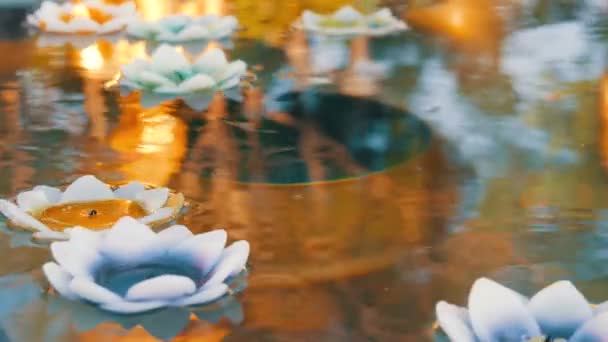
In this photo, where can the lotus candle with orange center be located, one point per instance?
(83, 17)
(89, 203)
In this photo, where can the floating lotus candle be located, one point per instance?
(90, 203)
(95, 17)
(130, 268)
(347, 21)
(169, 74)
(180, 28)
(497, 313)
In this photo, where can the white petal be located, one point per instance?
(310, 19)
(347, 14)
(192, 32)
(85, 189)
(129, 191)
(231, 76)
(232, 263)
(125, 307)
(142, 29)
(601, 308)
(56, 25)
(83, 25)
(113, 25)
(203, 296)
(167, 60)
(497, 313)
(21, 218)
(50, 236)
(174, 235)
(129, 241)
(32, 201)
(127, 9)
(168, 90)
(158, 215)
(76, 259)
(168, 286)
(153, 199)
(88, 290)
(53, 195)
(204, 250)
(85, 237)
(211, 61)
(455, 322)
(595, 330)
(59, 279)
(151, 80)
(198, 83)
(131, 71)
(384, 14)
(560, 309)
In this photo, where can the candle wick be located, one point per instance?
(92, 213)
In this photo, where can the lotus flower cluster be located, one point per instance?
(130, 268)
(497, 313)
(159, 205)
(89, 17)
(180, 28)
(169, 74)
(347, 21)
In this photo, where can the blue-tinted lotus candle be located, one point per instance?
(183, 28)
(497, 313)
(169, 74)
(88, 202)
(131, 269)
(347, 21)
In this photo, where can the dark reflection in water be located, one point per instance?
(373, 177)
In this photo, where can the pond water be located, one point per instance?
(372, 177)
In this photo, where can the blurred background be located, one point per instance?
(372, 177)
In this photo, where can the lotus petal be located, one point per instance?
(143, 29)
(158, 215)
(132, 70)
(594, 330)
(127, 9)
(113, 25)
(129, 241)
(168, 286)
(204, 250)
(173, 235)
(231, 76)
(310, 19)
(560, 309)
(203, 296)
(85, 237)
(232, 262)
(455, 322)
(125, 307)
(153, 199)
(347, 14)
(211, 61)
(151, 80)
(383, 14)
(32, 201)
(198, 83)
(129, 191)
(21, 218)
(49, 235)
(175, 23)
(76, 259)
(199, 101)
(83, 25)
(55, 25)
(192, 32)
(166, 60)
(59, 279)
(600, 308)
(53, 195)
(85, 189)
(89, 290)
(498, 313)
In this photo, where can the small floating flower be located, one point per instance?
(497, 313)
(91, 203)
(169, 75)
(347, 21)
(93, 17)
(130, 268)
(181, 28)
